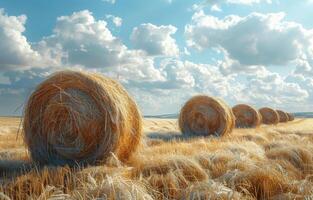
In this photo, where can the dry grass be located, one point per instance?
(269, 162)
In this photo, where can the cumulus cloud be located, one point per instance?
(182, 80)
(216, 8)
(303, 76)
(117, 21)
(250, 46)
(257, 39)
(79, 40)
(155, 40)
(16, 52)
(272, 89)
(156, 76)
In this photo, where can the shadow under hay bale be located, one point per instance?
(79, 118)
(205, 116)
(283, 117)
(246, 116)
(269, 116)
(12, 168)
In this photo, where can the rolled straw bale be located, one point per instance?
(76, 117)
(203, 116)
(283, 117)
(269, 115)
(246, 116)
(291, 117)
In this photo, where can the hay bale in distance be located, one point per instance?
(269, 115)
(283, 117)
(291, 117)
(246, 116)
(204, 116)
(75, 117)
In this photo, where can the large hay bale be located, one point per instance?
(283, 117)
(75, 117)
(204, 116)
(246, 116)
(269, 115)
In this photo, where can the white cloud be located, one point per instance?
(216, 8)
(16, 52)
(246, 2)
(215, 4)
(251, 46)
(183, 79)
(230, 66)
(79, 40)
(155, 40)
(117, 21)
(159, 79)
(257, 39)
(186, 51)
(270, 88)
(110, 1)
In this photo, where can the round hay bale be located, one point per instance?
(269, 115)
(291, 117)
(246, 116)
(283, 117)
(205, 116)
(80, 118)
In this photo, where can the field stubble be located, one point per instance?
(269, 162)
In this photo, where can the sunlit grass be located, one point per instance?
(270, 162)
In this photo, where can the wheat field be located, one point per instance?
(269, 162)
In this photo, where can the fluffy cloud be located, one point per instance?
(272, 89)
(182, 80)
(154, 74)
(117, 21)
(215, 4)
(303, 76)
(254, 40)
(229, 66)
(155, 40)
(15, 50)
(79, 40)
(251, 46)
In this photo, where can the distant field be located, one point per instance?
(270, 162)
(174, 116)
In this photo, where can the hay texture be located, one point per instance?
(205, 116)
(283, 117)
(291, 117)
(246, 116)
(269, 115)
(75, 117)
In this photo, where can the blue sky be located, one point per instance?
(247, 51)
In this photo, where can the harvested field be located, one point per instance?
(269, 162)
